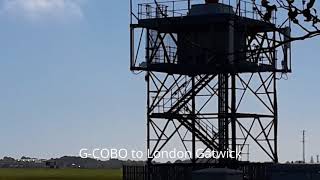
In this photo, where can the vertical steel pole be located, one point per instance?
(226, 111)
(149, 161)
(223, 100)
(275, 118)
(275, 103)
(233, 112)
(220, 112)
(193, 121)
(304, 146)
(148, 117)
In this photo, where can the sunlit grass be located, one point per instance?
(60, 174)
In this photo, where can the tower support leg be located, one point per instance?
(223, 109)
(233, 113)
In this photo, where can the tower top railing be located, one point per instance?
(178, 8)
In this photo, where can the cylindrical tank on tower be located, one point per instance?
(214, 43)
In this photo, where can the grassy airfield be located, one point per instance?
(60, 174)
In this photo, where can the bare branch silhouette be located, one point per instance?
(297, 13)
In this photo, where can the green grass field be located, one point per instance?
(59, 174)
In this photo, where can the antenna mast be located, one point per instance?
(304, 146)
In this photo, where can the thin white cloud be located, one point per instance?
(38, 9)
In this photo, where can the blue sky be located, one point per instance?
(65, 82)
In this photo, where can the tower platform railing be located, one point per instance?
(178, 8)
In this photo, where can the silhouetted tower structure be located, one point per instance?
(211, 72)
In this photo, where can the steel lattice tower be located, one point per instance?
(211, 74)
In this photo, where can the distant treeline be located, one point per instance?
(65, 162)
